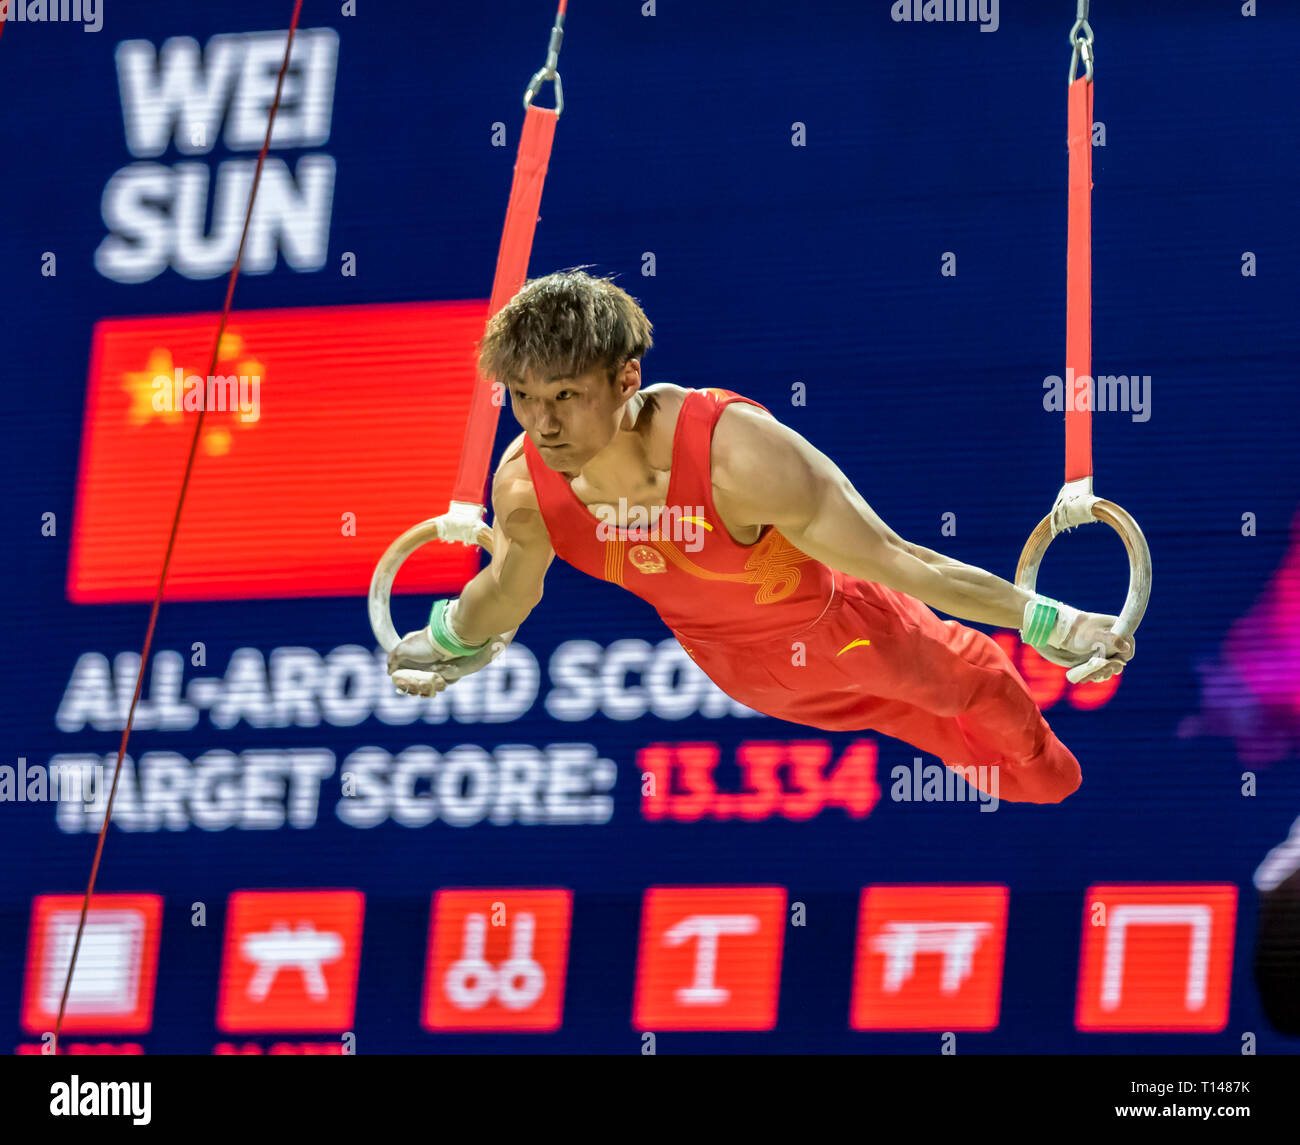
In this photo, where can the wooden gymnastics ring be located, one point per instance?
(1074, 501)
(462, 524)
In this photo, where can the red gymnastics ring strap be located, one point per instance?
(1078, 282)
(531, 163)
(512, 270)
(1075, 503)
(463, 521)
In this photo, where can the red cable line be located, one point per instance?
(171, 540)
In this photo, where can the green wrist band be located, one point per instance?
(1041, 619)
(443, 635)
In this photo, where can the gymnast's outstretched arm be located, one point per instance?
(510, 587)
(496, 601)
(766, 473)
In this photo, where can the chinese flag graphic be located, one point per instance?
(328, 432)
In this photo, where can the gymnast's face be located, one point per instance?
(571, 419)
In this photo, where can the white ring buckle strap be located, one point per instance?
(462, 523)
(1076, 505)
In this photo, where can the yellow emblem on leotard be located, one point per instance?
(775, 567)
(772, 565)
(646, 559)
(851, 644)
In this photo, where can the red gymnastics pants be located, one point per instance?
(936, 684)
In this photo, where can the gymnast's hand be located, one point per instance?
(1082, 635)
(418, 666)
(1074, 637)
(417, 650)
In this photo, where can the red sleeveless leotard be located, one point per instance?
(795, 639)
(705, 586)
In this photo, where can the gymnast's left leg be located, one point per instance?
(951, 691)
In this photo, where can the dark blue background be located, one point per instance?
(775, 264)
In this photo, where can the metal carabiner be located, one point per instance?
(548, 71)
(1081, 42)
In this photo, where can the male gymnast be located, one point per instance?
(789, 592)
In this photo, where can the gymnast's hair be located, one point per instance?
(565, 324)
